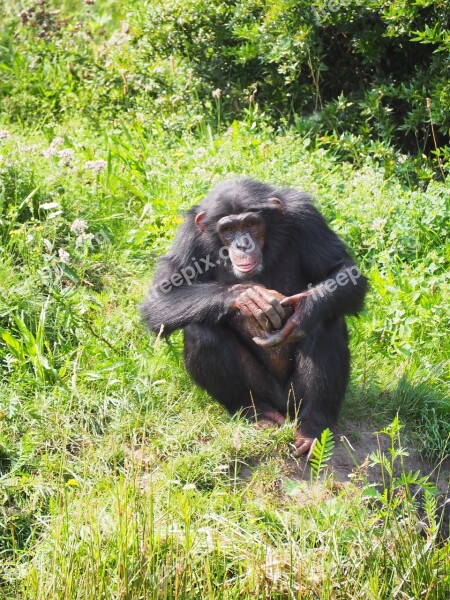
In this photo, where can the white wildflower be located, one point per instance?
(199, 171)
(216, 93)
(189, 486)
(55, 214)
(199, 152)
(64, 256)
(53, 148)
(49, 152)
(66, 156)
(95, 165)
(379, 223)
(220, 469)
(48, 205)
(84, 239)
(79, 226)
(30, 149)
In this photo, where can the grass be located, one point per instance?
(120, 479)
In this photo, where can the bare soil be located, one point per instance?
(355, 442)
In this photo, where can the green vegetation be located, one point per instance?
(120, 479)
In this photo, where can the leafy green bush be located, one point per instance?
(367, 68)
(48, 60)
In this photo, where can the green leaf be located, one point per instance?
(322, 452)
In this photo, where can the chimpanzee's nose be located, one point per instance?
(242, 243)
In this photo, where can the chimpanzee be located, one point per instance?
(260, 285)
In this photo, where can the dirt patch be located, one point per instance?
(354, 443)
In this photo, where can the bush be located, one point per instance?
(367, 68)
(360, 66)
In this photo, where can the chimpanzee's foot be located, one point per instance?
(264, 424)
(270, 418)
(303, 444)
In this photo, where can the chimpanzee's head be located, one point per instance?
(239, 213)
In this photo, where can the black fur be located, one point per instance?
(300, 251)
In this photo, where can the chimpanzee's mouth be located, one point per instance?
(246, 267)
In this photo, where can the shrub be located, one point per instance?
(369, 68)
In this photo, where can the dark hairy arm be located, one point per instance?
(336, 286)
(176, 299)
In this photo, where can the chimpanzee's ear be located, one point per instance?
(277, 203)
(198, 221)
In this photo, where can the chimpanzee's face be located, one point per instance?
(243, 235)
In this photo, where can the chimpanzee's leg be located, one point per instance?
(221, 363)
(318, 384)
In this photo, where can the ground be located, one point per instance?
(352, 461)
(356, 441)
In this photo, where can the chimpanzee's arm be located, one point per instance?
(342, 293)
(336, 286)
(177, 299)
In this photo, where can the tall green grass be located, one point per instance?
(119, 478)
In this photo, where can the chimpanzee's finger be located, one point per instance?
(303, 448)
(273, 317)
(294, 300)
(244, 310)
(303, 444)
(289, 301)
(273, 340)
(274, 301)
(264, 424)
(274, 416)
(277, 306)
(259, 315)
(279, 337)
(259, 299)
(311, 450)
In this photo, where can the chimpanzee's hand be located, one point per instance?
(263, 304)
(293, 330)
(303, 444)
